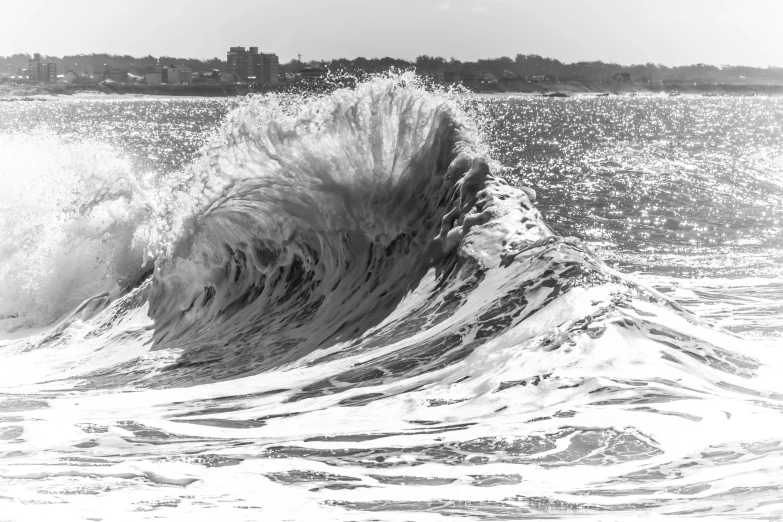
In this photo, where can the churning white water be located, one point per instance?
(347, 307)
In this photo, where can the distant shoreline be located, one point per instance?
(131, 90)
(512, 88)
(576, 87)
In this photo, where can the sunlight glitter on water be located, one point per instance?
(525, 380)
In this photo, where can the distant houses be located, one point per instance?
(116, 75)
(75, 78)
(244, 65)
(176, 75)
(258, 71)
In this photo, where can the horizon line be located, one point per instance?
(412, 61)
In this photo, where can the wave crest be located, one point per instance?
(317, 222)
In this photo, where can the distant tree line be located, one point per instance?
(521, 66)
(532, 65)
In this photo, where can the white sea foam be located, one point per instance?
(72, 214)
(355, 318)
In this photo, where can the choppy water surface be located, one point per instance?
(335, 309)
(688, 189)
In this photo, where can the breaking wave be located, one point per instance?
(361, 247)
(313, 227)
(73, 217)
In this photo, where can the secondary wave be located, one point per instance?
(74, 217)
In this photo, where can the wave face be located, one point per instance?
(353, 314)
(314, 227)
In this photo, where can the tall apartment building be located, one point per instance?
(239, 61)
(249, 63)
(268, 73)
(40, 72)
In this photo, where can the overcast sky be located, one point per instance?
(672, 32)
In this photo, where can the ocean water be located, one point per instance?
(391, 303)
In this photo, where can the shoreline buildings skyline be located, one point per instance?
(242, 65)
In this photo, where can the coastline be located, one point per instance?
(595, 88)
(106, 91)
(496, 89)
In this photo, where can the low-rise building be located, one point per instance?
(116, 75)
(176, 75)
(75, 78)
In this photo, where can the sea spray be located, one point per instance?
(73, 215)
(352, 316)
